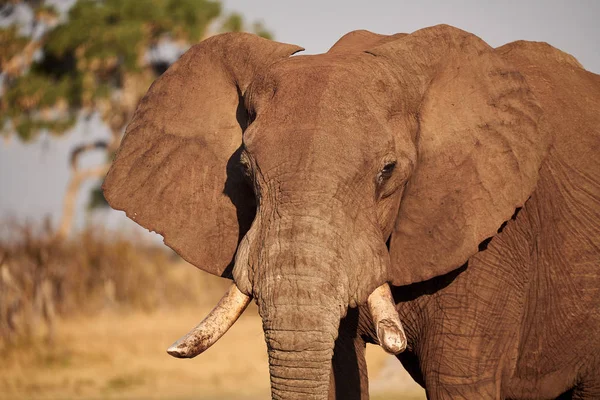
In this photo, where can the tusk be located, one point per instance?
(220, 319)
(386, 320)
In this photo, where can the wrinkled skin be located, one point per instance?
(465, 176)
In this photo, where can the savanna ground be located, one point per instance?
(110, 343)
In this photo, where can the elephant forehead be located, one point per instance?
(321, 87)
(327, 103)
(320, 114)
(322, 141)
(285, 149)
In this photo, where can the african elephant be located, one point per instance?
(464, 177)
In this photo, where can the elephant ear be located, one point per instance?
(361, 40)
(175, 171)
(478, 144)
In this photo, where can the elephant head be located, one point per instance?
(314, 181)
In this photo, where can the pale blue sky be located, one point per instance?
(33, 177)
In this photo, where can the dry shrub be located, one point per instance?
(42, 276)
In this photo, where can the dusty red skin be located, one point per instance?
(398, 159)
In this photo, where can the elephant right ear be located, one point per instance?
(479, 146)
(361, 40)
(175, 172)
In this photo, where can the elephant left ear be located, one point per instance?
(479, 151)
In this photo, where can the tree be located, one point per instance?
(100, 57)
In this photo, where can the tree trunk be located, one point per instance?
(79, 176)
(69, 202)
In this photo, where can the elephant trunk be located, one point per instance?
(302, 293)
(300, 356)
(301, 328)
(300, 332)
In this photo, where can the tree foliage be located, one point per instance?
(100, 57)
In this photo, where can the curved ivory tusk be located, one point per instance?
(386, 320)
(220, 319)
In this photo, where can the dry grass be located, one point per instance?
(90, 318)
(42, 277)
(117, 356)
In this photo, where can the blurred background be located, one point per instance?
(88, 300)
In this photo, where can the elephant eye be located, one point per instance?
(389, 167)
(386, 171)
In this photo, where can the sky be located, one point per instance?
(33, 177)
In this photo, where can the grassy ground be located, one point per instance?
(104, 302)
(122, 356)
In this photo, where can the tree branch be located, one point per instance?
(79, 150)
(77, 180)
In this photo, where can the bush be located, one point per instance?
(43, 277)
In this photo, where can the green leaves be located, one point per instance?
(234, 22)
(11, 44)
(38, 102)
(97, 59)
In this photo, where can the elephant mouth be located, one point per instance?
(386, 321)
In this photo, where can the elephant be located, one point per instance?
(424, 192)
